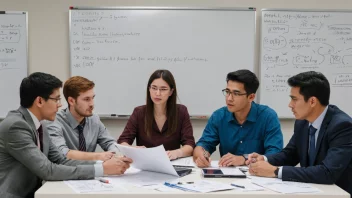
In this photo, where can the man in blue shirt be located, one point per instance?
(242, 127)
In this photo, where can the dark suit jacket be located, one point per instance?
(333, 160)
(23, 166)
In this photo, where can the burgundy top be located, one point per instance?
(135, 129)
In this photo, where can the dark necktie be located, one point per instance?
(40, 132)
(311, 153)
(81, 140)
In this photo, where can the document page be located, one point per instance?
(149, 159)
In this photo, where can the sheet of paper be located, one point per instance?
(278, 185)
(186, 161)
(141, 178)
(214, 164)
(248, 186)
(88, 186)
(161, 188)
(203, 186)
(149, 159)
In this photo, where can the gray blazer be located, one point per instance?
(23, 166)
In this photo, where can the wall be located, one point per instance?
(49, 46)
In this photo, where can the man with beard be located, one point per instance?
(76, 131)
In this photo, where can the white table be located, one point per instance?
(60, 189)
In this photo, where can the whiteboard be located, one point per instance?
(120, 48)
(297, 41)
(13, 58)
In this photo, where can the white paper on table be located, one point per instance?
(214, 164)
(186, 161)
(149, 159)
(161, 188)
(141, 178)
(248, 186)
(286, 187)
(88, 186)
(204, 186)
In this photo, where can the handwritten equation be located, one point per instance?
(9, 36)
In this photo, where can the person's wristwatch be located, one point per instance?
(245, 157)
(276, 171)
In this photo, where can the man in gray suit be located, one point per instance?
(27, 156)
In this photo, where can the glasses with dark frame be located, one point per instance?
(227, 92)
(161, 89)
(57, 100)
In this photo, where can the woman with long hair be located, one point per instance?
(161, 121)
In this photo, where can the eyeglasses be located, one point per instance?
(227, 92)
(162, 90)
(57, 100)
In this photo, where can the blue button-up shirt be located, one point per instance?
(260, 133)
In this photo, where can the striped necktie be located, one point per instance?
(81, 140)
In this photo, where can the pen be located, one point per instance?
(205, 154)
(238, 186)
(104, 181)
(185, 182)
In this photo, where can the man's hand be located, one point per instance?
(254, 157)
(174, 154)
(201, 157)
(116, 165)
(231, 160)
(262, 169)
(104, 156)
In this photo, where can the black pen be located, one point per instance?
(238, 186)
(185, 182)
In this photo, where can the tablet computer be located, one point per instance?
(223, 172)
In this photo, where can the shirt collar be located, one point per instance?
(35, 119)
(71, 120)
(252, 115)
(317, 122)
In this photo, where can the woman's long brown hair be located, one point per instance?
(171, 106)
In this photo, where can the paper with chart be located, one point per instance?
(149, 159)
(286, 187)
(88, 186)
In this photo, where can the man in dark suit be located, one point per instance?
(322, 139)
(27, 156)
